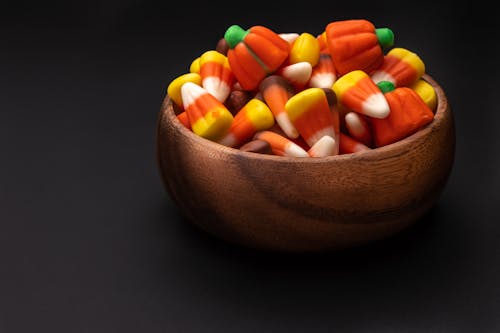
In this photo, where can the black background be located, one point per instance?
(90, 241)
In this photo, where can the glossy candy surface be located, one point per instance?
(408, 114)
(254, 53)
(216, 75)
(401, 67)
(208, 117)
(358, 92)
(253, 117)
(357, 45)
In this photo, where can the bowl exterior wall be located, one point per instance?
(287, 204)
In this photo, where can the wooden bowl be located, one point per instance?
(305, 204)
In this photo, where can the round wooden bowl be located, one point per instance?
(305, 204)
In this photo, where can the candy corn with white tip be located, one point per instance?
(348, 145)
(208, 117)
(323, 74)
(253, 117)
(358, 92)
(276, 91)
(310, 113)
(401, 67)
(174, 88)
(358, 127)
(326, 146)
(216, 75)
(281, 145)
(297, 74)
(290, 37)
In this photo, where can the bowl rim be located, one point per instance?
(442, 108)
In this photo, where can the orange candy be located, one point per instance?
(356, 44)
(408, 114)
(254, 53)
(348, 145)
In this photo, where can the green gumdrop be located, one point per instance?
(385, 37)
(235, 34)
(386, 86)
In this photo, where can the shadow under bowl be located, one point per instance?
(305, 204)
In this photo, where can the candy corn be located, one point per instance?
(184, 119)
(257, 146)
(305, 48)
(358, 127)
(426, 92)
(310, 113)
(289, 37)
(216, 76)
(298, 140)
(254, 53)
(323, 74)
(276, 91)
(401, 67)
(297, 74)
(208, 117)
(359, 93)
(302, 95)
(195, 66)
(253, 117)
(357, 45)
(174, 88)
(348, 145)
(408, 114)
(280, 145)
(321, 38)
(326, 146)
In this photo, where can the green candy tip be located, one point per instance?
(234, 35)
(385, 37)
(386, 86)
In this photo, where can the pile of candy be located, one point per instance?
(345, 90)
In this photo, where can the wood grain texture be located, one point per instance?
(312, 204)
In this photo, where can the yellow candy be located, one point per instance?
(346, 82)
(174, 88)
(214, 124)
(305, 48)
(426, 92)
(253, 117)
(209, 118)
(410, 58)
(195, 66)
(259, 114)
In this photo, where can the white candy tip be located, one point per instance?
(376, 106)
(190, 92)
(322, 80)
(286, 125)
(229, 140)
(289, 37)
(298, 73)
(295, 150)
(217, 88)
(326, 146)
(379, 76)
(354, 123)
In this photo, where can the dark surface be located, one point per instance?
(90, 241)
